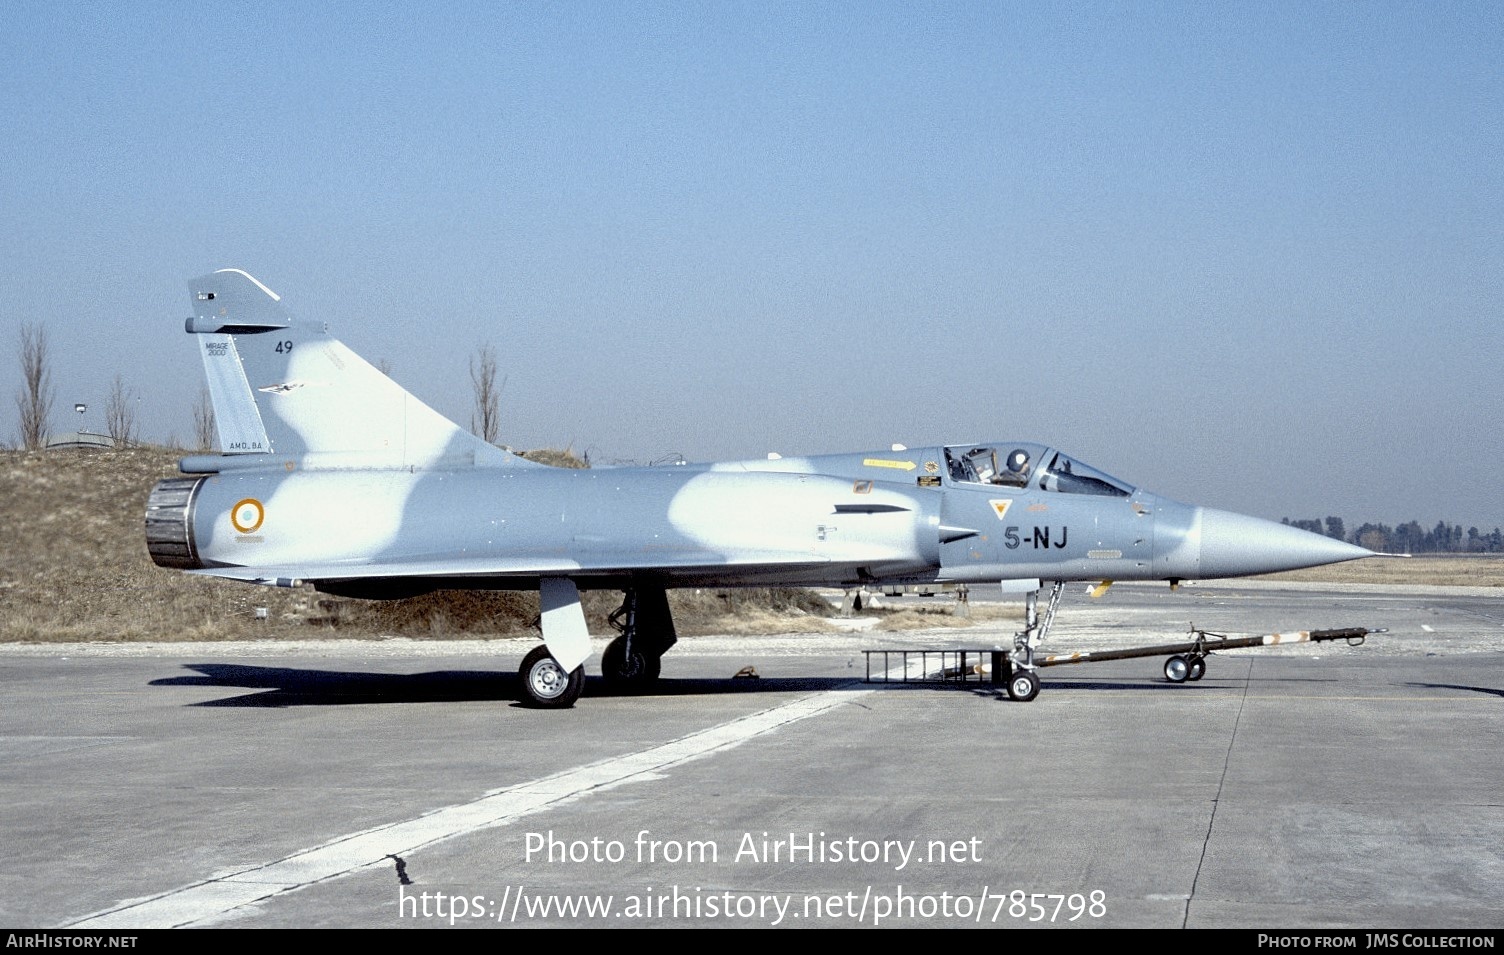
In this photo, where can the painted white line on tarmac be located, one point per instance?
(217, 896)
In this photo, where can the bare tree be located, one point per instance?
(485, 420)
(204, 430)
(120, 414)
(34, 400)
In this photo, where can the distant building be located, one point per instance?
(79, 439)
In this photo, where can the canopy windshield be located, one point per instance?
(1020, 465)
(1069, 476)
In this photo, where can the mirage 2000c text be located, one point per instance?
(333, 475)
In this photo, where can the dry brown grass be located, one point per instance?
(747, 612)
(945, 614)
(556, 458)
(471, 613)
(1438, 569)
(73, 561)
(922, 619)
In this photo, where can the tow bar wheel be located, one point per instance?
(1177, 669)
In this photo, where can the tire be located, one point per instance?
(1197, 670)
(628, 670)
(545, 685)
(1177, 669)
(1023, 686)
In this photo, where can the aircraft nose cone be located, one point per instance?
(1236, 545)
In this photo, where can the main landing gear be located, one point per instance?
(628, 666)
(632, 661)
(546, 684)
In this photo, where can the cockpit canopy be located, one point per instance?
(1020, 466)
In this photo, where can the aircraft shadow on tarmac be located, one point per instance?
(290, 686)
(1491, 691)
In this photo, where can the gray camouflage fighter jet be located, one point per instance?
(334, 475)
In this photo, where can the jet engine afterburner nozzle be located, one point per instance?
(169, 523)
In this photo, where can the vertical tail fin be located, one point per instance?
(235, 413)
(284, 387)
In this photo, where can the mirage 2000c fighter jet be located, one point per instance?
(334, 475)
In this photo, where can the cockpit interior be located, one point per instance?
(1019, 466)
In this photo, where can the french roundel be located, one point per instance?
(247, 515)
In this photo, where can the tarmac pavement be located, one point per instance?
(399, 784)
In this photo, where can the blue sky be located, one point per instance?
(1247, 256)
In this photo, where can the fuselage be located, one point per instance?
(942, 514)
